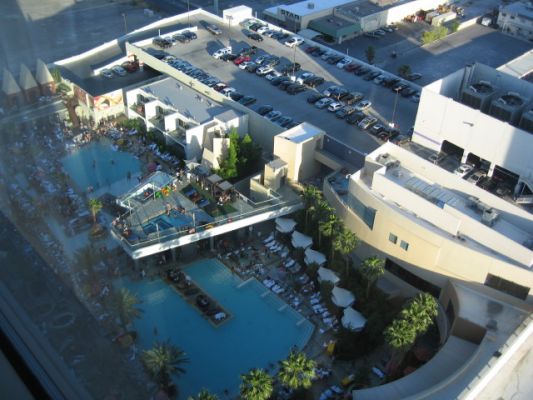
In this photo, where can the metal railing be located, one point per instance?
(175, 233)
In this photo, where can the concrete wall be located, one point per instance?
(441, 118)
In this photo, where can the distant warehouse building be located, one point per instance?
(343, 20)
(517, 19)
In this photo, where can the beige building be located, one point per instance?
(431, 225)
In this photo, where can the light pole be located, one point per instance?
(188, 17)
(294, 62)
(392, 124)
(230, 17)
(125, 23)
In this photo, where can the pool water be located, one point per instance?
(163, 222)
(98, 165)
(261, 331)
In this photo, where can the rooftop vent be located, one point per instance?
(482, 87)
(311, 5)
(489, 216)
(511, 99)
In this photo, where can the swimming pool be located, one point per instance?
(98, 165)
(262, 329)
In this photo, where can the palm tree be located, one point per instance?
(297, 371)
(127, 306)
(345, 242)
(203, 395)
(95, 206)
(372, 268)
(328, 228)
(400, 335)
(256, 385)
(322, 212)
(311, 195)
(420, 312)
(163, 361)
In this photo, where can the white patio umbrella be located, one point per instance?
(301, 241)
(353, 319)
(312, 256)
(327, 275)
(342, 297)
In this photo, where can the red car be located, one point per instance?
(241, 59)
(310, 49)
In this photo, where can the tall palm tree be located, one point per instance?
(420, 312)
(345, 242)
(297, 371)
(311, 195)
(371, 269)
(163, 361)
(400, 335)
(127, 307)
(256, 385)
(204, 395)
(95, 206)
(328, 228)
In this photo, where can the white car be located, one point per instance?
(477, 177)
(106, 73)
(264, 70)
(363, 105)
(118, 70)
(329, 90)
(272, 75)
(463, 170)
(335, 106)
(323, 103)
(220, 52)
(303, 77)
(344, 62)
(243, 65)
(294, 41)
(227, 91)
(367, 122)
(327, 55)
(263, 29)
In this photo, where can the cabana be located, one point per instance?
(301, 241)
(312, 256)
(342, 297)
(285, 225)
(327, 275)
(353, 320)
(223, 192)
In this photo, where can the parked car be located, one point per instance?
(262, 30)
(163, 43)
(220, 86)
(248, 51)
(271, 60)
(314, 81)
(117, 69)
(318, 52)
(247, 100)
(236, 96)
(272, 75)
(264, 70)
(221, 52)
(191, 35)
(215, 30)
(408, 91)
(244, 64)
(353, 97)
(344, 112)
(367, 122)
(313, 98)
(351, 67)
(355, 117)
(227, 91)
(371, 75)
(296, 88)
(291, 68)
(252, 67)
(323, 103)
(241, 59)
(363, 105)
(273, 115)
(414, 76)
(344, 62)
(106, 73)
(330, 90)
(362, 71)
(285, 84)
(401, 139)
(463, 170)
(377, 129)
(261, 59)
(311, 49)
(436, 158)
(294, 41)
(334, 59)
(279, 80)
(229, 57)
(284, 121)
(179, 37)
(255, 36)
(264, 110)
(302, 77)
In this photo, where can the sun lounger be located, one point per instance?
(289, 263)
(337, 389)
(315, 301)
(269, 238)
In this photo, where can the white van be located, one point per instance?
(220, 52)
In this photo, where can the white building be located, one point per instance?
(483, 116)
(517, 19)
(186, 119)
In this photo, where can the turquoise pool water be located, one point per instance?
(109, 166)
(262, 330)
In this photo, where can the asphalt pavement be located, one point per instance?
(383, 100)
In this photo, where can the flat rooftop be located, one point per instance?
(301, 133)
(449, 205)
(186, 101)
(362, 8)
(522, 9)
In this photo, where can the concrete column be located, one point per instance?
(136, 263)
(212, 243)
(491, 169)
(465, 156)
(173, 252)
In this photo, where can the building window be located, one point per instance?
(411, 279)
(404, 245)
(393, 238)
(505, 286)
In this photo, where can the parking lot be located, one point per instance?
(199, 53)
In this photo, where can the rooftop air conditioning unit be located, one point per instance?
(311, 5)
(489, 216)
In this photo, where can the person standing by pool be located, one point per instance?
(128, 175)
(112, 162)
